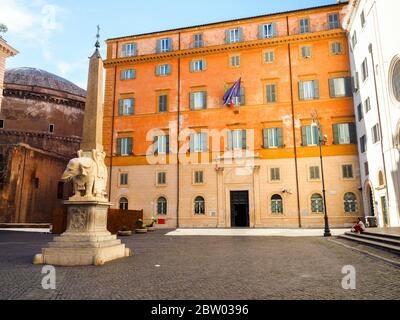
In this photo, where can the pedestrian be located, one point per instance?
(359, 227)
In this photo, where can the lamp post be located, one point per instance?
(321, 140)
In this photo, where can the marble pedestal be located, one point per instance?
(86, 241)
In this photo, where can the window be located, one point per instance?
(234, 35)
(317, 203)
(123, 179)
(276, 204)
(269, 56)
(309, 90)
(60, 190)
(240, 101)
(199, 142)
(267, 31)
(198, 40)
(128, 50)
(163, 70)
(367, 105)
(314, 173)
(199, 206)
(366, 168)
(235, 61)
(271, 93)
(350, 203)
(162, 206)
(273, 138)
(123, 204)
(347, 171)
(2, 122)
(128, 74)
(51, 128)
(198, 100)
(381, 180)
(124, 146)
(376, 135)
(304, 25)
(362, 17)
(306, 52)
(336, 48)
(356, 82)
(161, 178)
(396, 80)
(198, 177)
(364, 69)
(163, 103)
(197, 65)
(126, 107)
(363, 144)
(354, 40)
(275, 174)
(161, 144)
(333, 21)
(237, 139)
(164, 45)
(310, 136)
(340, 87)
(344, 133)
(360, 112)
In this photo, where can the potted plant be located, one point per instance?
(125, 231)
(141, 226)
(152, 226)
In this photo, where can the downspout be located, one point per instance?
(177, 136)
(296, 165)
(21, 189)
(112, 128)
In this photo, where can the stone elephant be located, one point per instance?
(83, 172)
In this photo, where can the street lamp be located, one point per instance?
(321, 140)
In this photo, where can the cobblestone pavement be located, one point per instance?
(211, 268)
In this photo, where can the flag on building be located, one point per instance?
(232, 93)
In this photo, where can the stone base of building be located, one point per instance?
(86, 241)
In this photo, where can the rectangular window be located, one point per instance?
(376, 135)
(163, 70)
(306, 52)
(356, 82)
(336, 48)
(128, 50)
(366, 168)
(363, 144)
(163, 103)
(165, 45)
(340, 87)
(273, 138)
(304, 25)
(124, 146)
(199, 142)
(367, 105)
(362, 17)
(347, 171)
(237, 139)
(310, 136)
(235, 61)
(360, 112)
(271, 93)
(268, 31)
(333, 21)
(2, 122)
(269, 56)
(128, 74)
(364, 68)
(344, 133)
(314, 173)
(309, 90)
(354, 40)
(161, 144)
(51, 128)
(126, 107)
(197, 65)
(275, 174)
(198, 177)
(161, 178)
(198, 40)
(198, 100)
(234, 35)
(123, 179)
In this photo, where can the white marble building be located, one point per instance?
(373, 31)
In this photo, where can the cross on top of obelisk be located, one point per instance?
(97, 45)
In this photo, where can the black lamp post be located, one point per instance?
(321, 140)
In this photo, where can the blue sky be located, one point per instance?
(59, 35)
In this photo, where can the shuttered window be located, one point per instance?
(128, 74)
(347, 171)
(364, 69)
(235, 61)
(128, 50)
(309, 90)
(198, 100)
(163, 70)
(237, 139)
(333, 21)
(344, 133)
(336, 48)
(306, 52)
(163, 103)
(271, 93)
(198, 40)
(310, 136)
(267, 31)
(124, 146)
(363, 144)
(234, 35)
(161, 144)
(314, 173)
(164, 45)
(273, 137)
(269, 56)
(304, 25)
(198, 65)
(376, 135)
(340, 87)
(126, 107)
(367, 105)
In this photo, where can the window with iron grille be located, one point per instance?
(276, 204)
(350, 203)
(317, 203)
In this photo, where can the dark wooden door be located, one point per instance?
(240, 209)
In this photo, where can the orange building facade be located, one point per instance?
(254, 164)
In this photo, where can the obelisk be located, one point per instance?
(87, 240)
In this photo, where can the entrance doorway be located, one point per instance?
(240, 209)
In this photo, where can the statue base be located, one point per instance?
(86, 241)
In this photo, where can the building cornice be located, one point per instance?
(44, 135)
(226, 48)
(7, 49)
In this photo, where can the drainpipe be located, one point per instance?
(177, 136)
(371, 51)
(18, 214)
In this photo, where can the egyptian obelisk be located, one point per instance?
(87, 240)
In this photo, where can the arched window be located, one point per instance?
(350, 203)
(396, 80)
(381, 179)
(317, 203)
(162, 206)
(199, 206)
(123, 204)
(277, 204)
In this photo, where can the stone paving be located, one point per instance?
(215, 268)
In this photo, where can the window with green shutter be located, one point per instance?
(128, 50)
(347, 171)
(126, 107)
(235, 61)
(124, 146)
(309, 90)
(344, 133)
(269, 56)
(314, 173)
(267, 31)
(163, 103)
(340, 87)
(197, 65)
(199, 142)
(198, 100)
(336, 48)
(306, 52)
(161, 144)
(309, 136)
(271, 93)
(273, 138)
(128, 74)
(237, 139)
(333, 21)
(304, 25)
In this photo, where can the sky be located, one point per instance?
(59, 35)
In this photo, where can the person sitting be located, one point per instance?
(359, 227)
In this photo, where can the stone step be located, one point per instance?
(382, 235)
(375, 237)
(373, 243)
(85, 244)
